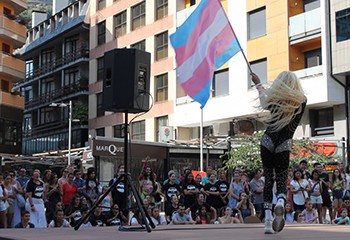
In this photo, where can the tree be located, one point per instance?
(245, 152)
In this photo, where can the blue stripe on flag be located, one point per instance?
(203, 96)
(233, 49)
(180, 37)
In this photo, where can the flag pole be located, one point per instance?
(201, 141)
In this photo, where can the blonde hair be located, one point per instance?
(283, 99)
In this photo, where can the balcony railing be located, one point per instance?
(307, 24)
(309, 72)
(13, 30)
(56, 94)
(59, 62)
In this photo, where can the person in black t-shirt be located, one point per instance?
(25, 217)
(189, 189)
(195, 208)
(326, 198)
(98, 219)
(118, 193)
(171, 188)
(172, 207)
(116, 217)
(223, 187)
(212, 191)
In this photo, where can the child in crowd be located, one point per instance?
(343, 219)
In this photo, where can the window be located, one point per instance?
(7, 11)
(100, 132)
(139, 45)
(311, 5)
(259, 67)
(161, 47)
(138, 16)
(100, 111)
(101, 33)
(46, 115)
(160, 122)
(118, 131)
(342, 21)
(101, 4)
(5, 86)
(70, 45)
(313, 58)
(257, 23)
(161, 9)
(220, 83)
(138, 130)
(321, 122)
(5, 48)
(47, 57)
(71, 76)
(29, 68)
(47, 86)
(161, 85)
(120, 24)
(11, 132)
(100, 68)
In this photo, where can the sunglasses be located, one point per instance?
(347, 202)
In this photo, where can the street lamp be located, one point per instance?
(69, 124)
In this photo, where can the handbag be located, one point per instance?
(20, 200)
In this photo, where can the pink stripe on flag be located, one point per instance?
(206, 68)
(205, 20)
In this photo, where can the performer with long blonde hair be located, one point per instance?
(285, 101)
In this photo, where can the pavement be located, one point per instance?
(178, 232)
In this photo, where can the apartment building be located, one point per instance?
(12, 36)
(57, 72)
(275, 36)
(141, 24)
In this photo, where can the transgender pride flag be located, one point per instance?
(203, 43)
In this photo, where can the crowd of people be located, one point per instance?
(46, 200)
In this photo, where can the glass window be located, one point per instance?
(100, 132)
(138, 16)
(101, 33)
(101, 4)
(321, 122)
(259, 67)
(161, 122)
(71, 76)
(120, 24)
(70, 45)
(47, 57)
(5, 48)
(161, 9)
(257, 23)
(138, 130)
(5, 86)
(46, 115)
(342, 19)
(100, 111)
(100, 68)
(161, 47)
(221, 83)
(139, 45)
(118, 131)
(311, 5)
(161, 85)
(313, 58)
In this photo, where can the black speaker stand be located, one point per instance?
(127, 183)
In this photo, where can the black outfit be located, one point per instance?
(195, 209)
(20, 225)
(100, 220)
(223, 187)
(275, 149)
(117, 221)
(189, 199)
(170, 210)
(326, 198)
(170, 190)
(212, 200)
(118, 194)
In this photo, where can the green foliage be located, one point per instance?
(245, 153)
(80, 111)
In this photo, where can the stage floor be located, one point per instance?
(172, 232)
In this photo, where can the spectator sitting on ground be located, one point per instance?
(116, 217)
(343, 219)
(25, 221)
(156, 217)
(172, 207)
(299, 217)
(245, 206)
(200, 203)
(203, 217)
(88, 222)
(137, 219)
(289, 213)
(310, 213)
(59, 221)
(227, 217)
(98, 218)
(180, 217)
(346, 205)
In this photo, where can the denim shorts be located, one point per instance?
(337, 194)
(316, 199)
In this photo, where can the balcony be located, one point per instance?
(182, 15)
(19, 5)
(11, 67)
(57, 96)
(305, 26)
(309, 72)
(12, 31)
(11, 100)
(58, 64)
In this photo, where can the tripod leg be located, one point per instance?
(144, 213)
(97, 203)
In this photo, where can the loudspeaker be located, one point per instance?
(126, 80)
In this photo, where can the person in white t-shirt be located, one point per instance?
(59, 221)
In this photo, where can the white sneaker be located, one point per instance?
(278, 222)
(268, 226)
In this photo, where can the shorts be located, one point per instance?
(337, 194)
(316, 199)
(326, 199)
(3, 207)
